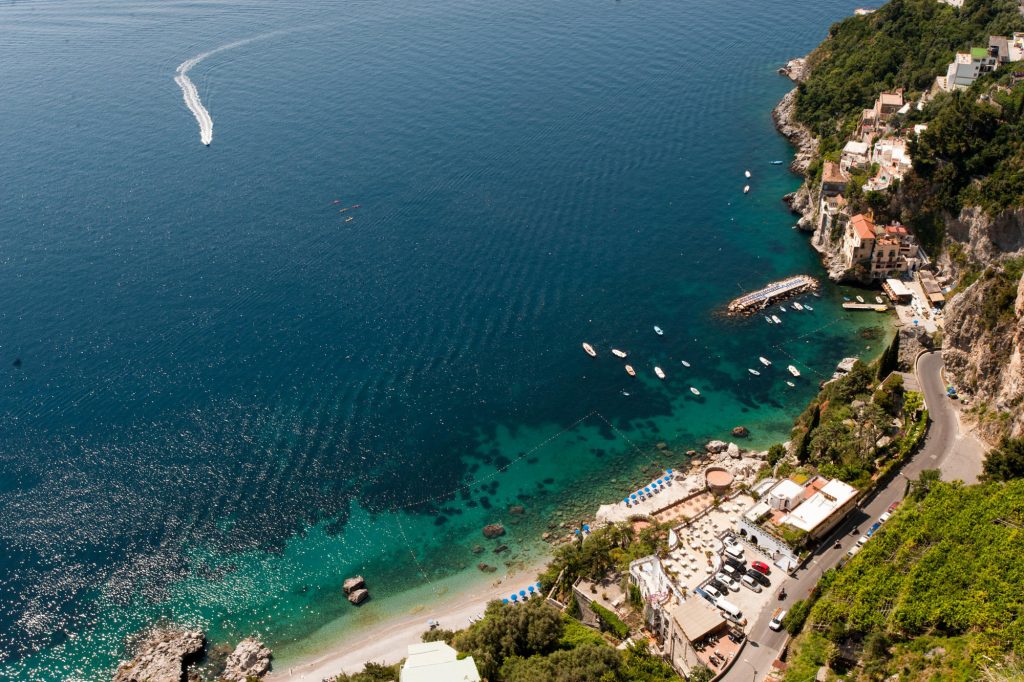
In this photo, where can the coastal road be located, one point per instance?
(957, 454)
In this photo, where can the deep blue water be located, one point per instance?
(225, 391)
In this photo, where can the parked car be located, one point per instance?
(735, 551)
(853, 550)
(861, 540)
(761, 566)
(750, 583)
(733, 573)
(735, 563)
(759, 577)
(731, 541)
(874, 526)
(727, 581)
(712, 592)
(894, 506)
(776, 621)
(718, 586)
(885, 517)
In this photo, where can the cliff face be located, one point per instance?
(984, 353)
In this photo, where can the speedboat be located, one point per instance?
(782, 308)
(684, 363)
(776, 320)
(694, 391)
(860, 299)
(618, 353)
(754, 372)
(746, 188)
(767, 319)
(878, 299)
(815, 294)
(658, 330)
(793, 370)
(791, 384)
(764, 361)
(630, 371)
(808, 308)
(797, 306)
(659, 372)
(746, 173)
(349, 219)
(357, 205)
(589, 350)
(776, 163)
(846, 298)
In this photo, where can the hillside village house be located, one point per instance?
(966, 67)
(832, 214)
(893, 159)
(437, 662)
(884, 251)
(855, 155)
(813, 508)
(873, 120)
(1005, 50)
(833, 179)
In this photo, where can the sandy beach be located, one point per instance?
(387, 642)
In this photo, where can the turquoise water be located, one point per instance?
(228, 399)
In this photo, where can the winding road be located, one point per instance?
(955, 452)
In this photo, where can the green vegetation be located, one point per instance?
(934, 595)
(796, 616)
(529, 629)
(372, 672)
(905, 44)
(610, 622)
(1005, 462)
(775, 453)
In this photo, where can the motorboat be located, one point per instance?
(878, 299)
(764, 361)
(808, 308)
(659, 372)
(793, 370)
(746, 188)
(754, 372)
(746, 173)
(815, 294)
(797, 306)
(618, 353)
(782, 308)
(684, 363)
(860, 299)
(658, 330)
(790, 384)
(589, 350)
(846, 298)
(776, 163)
(349, 219)
(630, 371)
(776, 320)
(767, 319)
(694, 391)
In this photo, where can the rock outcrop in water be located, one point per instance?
(355, 589)
(249, 659)
(162, 656)
(494, 530)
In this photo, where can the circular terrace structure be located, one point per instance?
(718, 480)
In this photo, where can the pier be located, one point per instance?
(877, 307)
(776, 291)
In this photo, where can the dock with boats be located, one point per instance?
(776, 291)
(877, 307)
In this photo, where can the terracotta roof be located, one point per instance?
(863, 225)
(895, 228)
(891, 98)
(832, 173)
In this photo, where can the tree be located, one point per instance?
(582, 664)
(1006, 461)
(524, 630)
(796, 616)
(701, 673)
(776, 453)
(924, 484)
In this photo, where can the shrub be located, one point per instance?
(609, 621)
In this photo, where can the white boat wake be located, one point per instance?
(191, 95)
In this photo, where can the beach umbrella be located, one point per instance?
(504, 601)
(531, 588)
(577, 531)
(514, 597)
(586, 528)
(633, 495)
(538, 586)
(668, 471)
(522, 593)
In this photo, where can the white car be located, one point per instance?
(862, 540)
(776, 622)
(727, 581)
(750, 584)
(853, 550)
(711, 592)
(884, 517)
(731, 541)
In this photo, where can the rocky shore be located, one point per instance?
(166, 653)
(784, 116)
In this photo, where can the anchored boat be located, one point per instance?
(684, 363)
(797, 305)
(590, 350)
(793, 370)
(764, 361)
(776, 320)
(694, 391)
(618, 353)
(630, 371)
(658, 330)
(754, 372)
(659, 372)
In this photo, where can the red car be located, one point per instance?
(760, 567)
(893, 506)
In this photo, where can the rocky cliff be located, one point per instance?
(984, 324)
(162, 656)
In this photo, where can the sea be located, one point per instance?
(346, 335)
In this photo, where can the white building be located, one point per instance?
(824, 509)
(893, 159)
(967, 66)
(855, 155)
(437, 662)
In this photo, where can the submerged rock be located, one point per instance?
(740, 432)
(494, 530)
(249, 659)
(162, 656)
(486, 568)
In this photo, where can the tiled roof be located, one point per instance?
(863, 225)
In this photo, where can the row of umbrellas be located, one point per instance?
(523, 594)
(654, 487)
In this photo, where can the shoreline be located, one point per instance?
(387, 642)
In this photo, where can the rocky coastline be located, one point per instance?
(168, 654)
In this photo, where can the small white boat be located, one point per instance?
(618, 353)
(694, 391)
(630, 371)
(860, 299)
(590, 350)
(815, 294)
(791, 384)
(746, 173)
(808, 308)
(684, 363)
(782, 308)
(793, 370)
(767, 319)
(878, 299)
(746, 188)
(797, 306)
(754, 372)
(659, 372)
(764, 361)
(658, 330)
(776, 320)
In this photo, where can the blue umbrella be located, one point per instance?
(514, 597)
(538, 586)
(647, 487)
(577, 531)
(668, 471)
(504, 601)
(522, 593)
(633, 496)
(531, 588)
(586, 527)
(626, 500)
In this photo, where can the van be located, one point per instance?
(712, 592)
(776, 622)
(729, 608)
(735, 551)
(750, 583)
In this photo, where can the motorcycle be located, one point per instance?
(782, 593)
